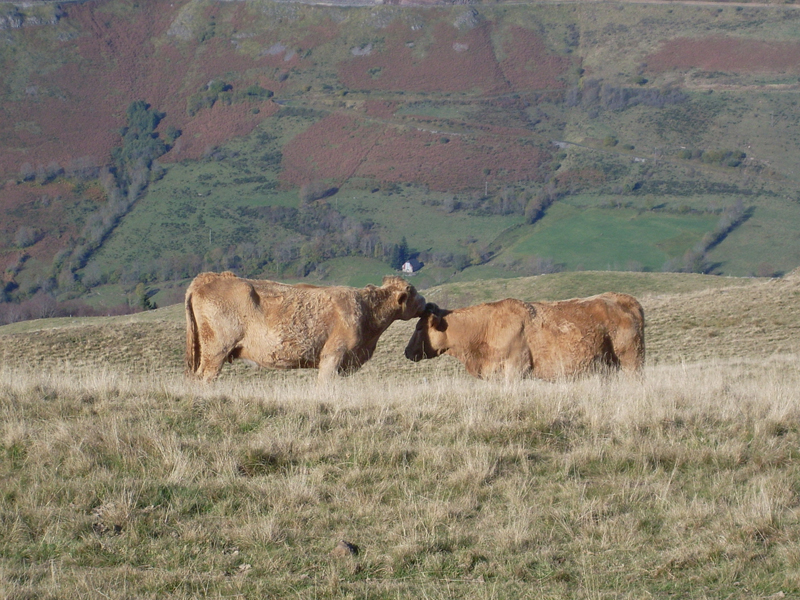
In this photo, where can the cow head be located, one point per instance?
(430, 338)
(409, 302)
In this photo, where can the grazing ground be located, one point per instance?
(120, 479)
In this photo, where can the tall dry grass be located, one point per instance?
(680, 483)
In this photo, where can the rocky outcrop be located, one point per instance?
(29, 15)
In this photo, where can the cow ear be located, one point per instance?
(430, 307)
(438, 323)
(402, 297)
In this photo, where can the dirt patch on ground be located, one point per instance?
(726, 54)
(451, 163)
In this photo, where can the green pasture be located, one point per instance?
(766, 244)
(577, 284)
(352, 271)
(198, 206)
(612, 239)
(419, 217)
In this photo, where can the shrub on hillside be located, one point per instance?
(218, 90)
(26, 236)
(595, 94)
(141, 145)
(315, 190)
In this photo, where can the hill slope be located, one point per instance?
(284, 140)
(689, 318)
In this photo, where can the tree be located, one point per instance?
(403, 250)
(143, 298)
(315, 190)
(399, 254)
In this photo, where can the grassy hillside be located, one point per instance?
(119, 478)
(295, 141)
(685, 315)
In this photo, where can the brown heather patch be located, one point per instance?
(380, 109)
(219, 58)
(215, 126)
(458, 165)
(528, 65)
(120, 52)
(340, 146)
(63, 131)
(726, 54)
(333, 148)
(402, 68)
(317, 35)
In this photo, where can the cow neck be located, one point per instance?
(461, 330)
(378, 302)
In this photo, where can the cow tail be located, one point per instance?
(638, 349)
(192, 338)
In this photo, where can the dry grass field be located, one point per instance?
(120, 479)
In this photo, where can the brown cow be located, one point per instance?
(546, 340)
(334, 329)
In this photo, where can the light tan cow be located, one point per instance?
(545, 340)
(334, 329)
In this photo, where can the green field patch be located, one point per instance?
(425, 226)
(612, 238)
(353, 271)
(744, 252)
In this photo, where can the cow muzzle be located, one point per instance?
(416, 352)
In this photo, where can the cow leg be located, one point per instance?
(629, 353)
(211, 365)
(631, 360)
(212, 357)
(328, 367)
(330, 360)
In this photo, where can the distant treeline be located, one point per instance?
(594, 94)
(43, 305)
